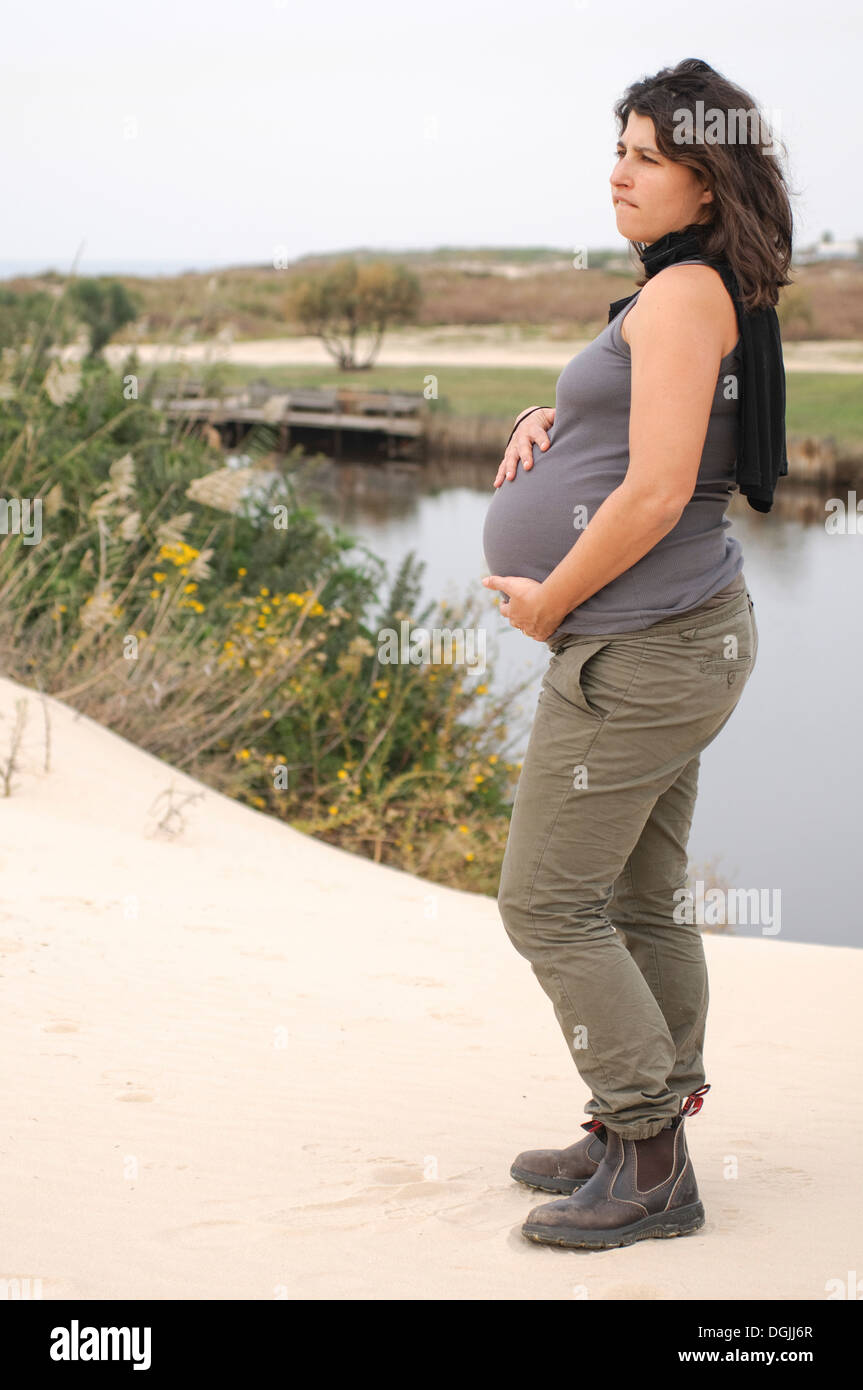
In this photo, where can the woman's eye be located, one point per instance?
(618, 154)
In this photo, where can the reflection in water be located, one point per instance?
(779, 804)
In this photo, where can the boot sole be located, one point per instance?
(540, 1183)
(683, 1221)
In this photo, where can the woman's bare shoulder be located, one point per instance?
(703, 283)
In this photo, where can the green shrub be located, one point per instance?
(238, 646)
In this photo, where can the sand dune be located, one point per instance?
(238, 1063)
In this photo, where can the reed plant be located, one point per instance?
(240, 646)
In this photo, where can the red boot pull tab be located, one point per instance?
(694, 1102)
(691, 1106)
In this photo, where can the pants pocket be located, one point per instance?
(720, 621)
(716, 662)
(724, 666)
(564, 670)
(595, 675)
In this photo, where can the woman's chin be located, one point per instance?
(626, 217)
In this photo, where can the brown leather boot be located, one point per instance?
(565, 1170)
(643, 1188)
(562, 1170)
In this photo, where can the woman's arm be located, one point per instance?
(675, 333)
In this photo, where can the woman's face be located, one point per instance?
(660, 195)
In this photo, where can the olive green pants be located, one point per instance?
(596, 854)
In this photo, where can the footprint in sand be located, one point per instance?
(397, 1174)
(394, 1190)
(790, 1178)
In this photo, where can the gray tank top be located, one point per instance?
(533, 521)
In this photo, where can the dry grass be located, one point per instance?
(273, 694)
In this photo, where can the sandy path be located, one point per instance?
(238, 1063)
(451, 347)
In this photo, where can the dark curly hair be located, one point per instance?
(750, 215)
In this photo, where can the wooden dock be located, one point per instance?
(391, 417)
(400, 424)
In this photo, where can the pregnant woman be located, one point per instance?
(611, 545)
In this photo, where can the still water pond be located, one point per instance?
(781, 787)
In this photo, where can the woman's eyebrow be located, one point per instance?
(641, 149)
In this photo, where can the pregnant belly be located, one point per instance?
(531, 522)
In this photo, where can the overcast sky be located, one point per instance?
(209, 132)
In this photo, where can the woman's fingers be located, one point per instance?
(538, 436)
(508, 463)
(505, 463)
(521, 450)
